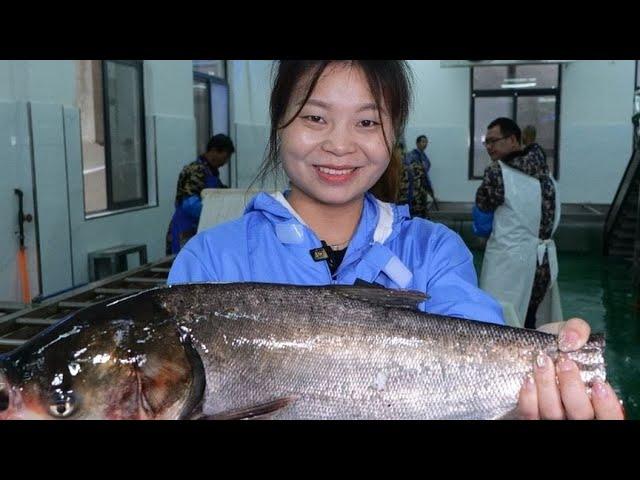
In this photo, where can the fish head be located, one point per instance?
(101, 364)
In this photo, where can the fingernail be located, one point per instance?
(565, 364)
(599, 389)
(528, 382)
(568, 340)
(541, 361)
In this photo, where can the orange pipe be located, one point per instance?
(24, 275)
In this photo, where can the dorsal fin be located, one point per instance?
(379, 295)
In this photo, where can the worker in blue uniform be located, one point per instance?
(195, 177)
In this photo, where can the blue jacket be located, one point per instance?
(270, 243)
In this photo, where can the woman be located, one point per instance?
(333, 127)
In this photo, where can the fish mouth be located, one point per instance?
(5, 394)
(11, 398)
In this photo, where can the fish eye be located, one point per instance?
(63, 407)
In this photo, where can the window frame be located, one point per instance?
(203, 77)
(143, 201)
(210, 75)
(514, 93)
(209, 79)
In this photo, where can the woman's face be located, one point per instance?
(334, 151)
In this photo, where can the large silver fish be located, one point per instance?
(251, 350)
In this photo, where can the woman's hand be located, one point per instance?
(541, 397)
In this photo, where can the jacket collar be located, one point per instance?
(379, 221)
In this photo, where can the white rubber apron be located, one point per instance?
(550, 309)
(514, 249)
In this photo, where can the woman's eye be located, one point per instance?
(368, 123)
(313, 118)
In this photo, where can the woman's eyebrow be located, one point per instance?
(368, 106)
(326, 106)
(317, 103)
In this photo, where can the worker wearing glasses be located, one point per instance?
(517, 207)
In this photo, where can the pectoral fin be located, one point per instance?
(254, 412)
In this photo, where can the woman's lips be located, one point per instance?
(335, 175)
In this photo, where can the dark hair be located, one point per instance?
(507, 126)
(221, 142)
(421, 137)
(387, 79)
(530, 130)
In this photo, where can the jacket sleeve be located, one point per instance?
(490, 193)
(192, 206)
(188, 268)
(190, 182)
(482, 222)
(453, 284)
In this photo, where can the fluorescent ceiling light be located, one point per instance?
(518, 85)
(518, 82)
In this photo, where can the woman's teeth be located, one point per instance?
(331, 171)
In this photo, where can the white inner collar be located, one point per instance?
(384, 226)
(283, 201)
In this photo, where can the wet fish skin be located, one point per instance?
(115, 360)
(346, 354)
(286, 352)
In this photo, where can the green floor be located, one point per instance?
(598, 289)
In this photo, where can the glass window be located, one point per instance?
(211, 105)
(220, 107)
(486, 110)
(540, 112)
(515, 77)
(215, 68)
(125, 139)
(211, 108)
(537, 76)
(202, 112)
(488, 78)
(90, 102)
(528, 94)
(109, 95)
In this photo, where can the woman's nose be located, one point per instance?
(339, 141)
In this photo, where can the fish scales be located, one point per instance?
(349, 358)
